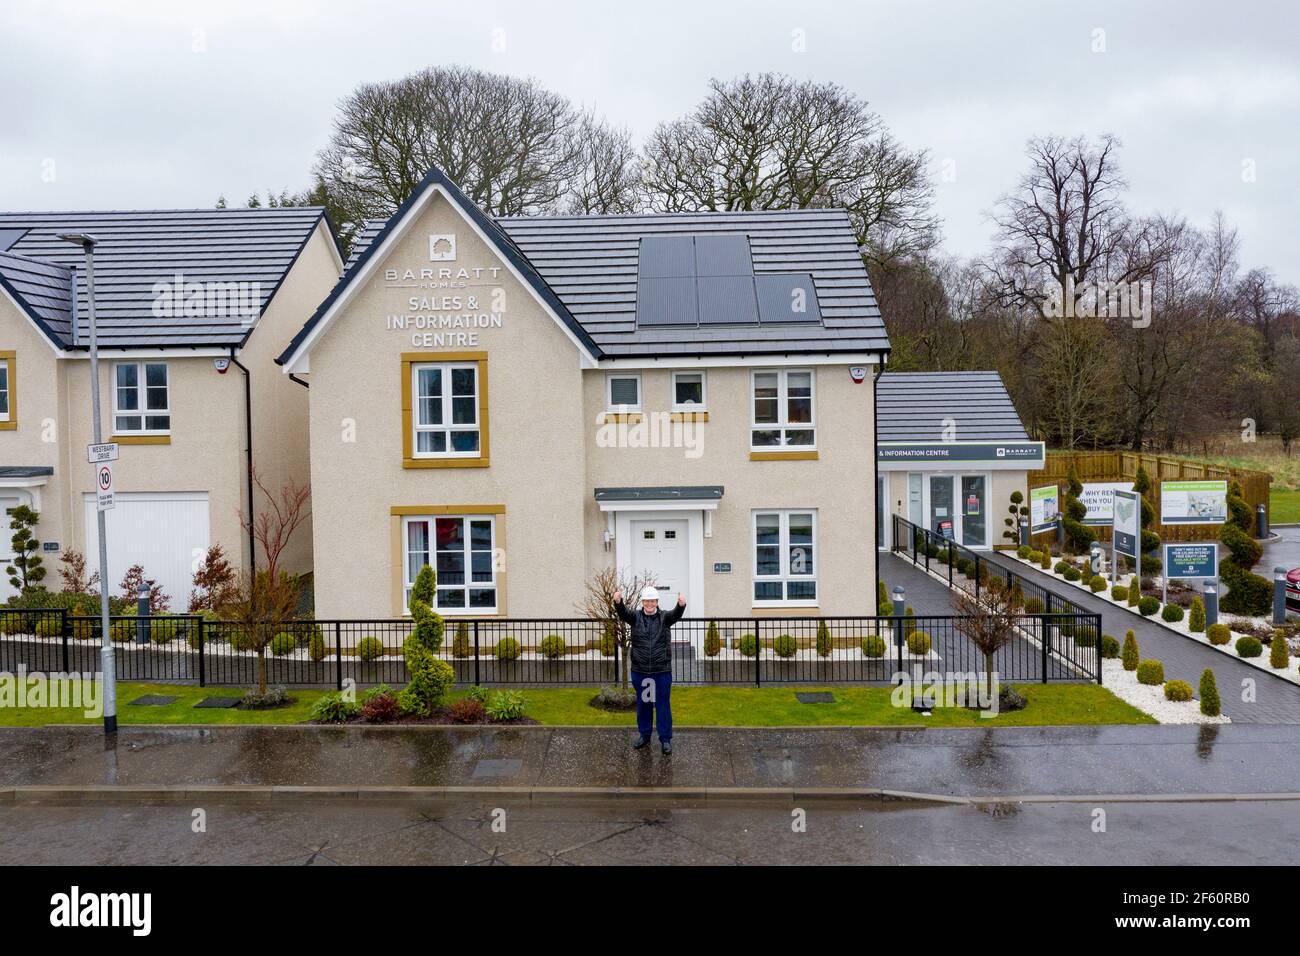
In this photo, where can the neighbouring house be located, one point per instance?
(192, 307)
(952, 450)
(525, 401)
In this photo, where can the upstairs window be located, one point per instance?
(782, 409)
(622, 393)
(7, 416)
(141, 401)
(689, 392)
(446, 419)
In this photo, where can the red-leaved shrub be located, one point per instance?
(467, 710)
(380, 709)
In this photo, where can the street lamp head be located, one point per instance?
(83, 239)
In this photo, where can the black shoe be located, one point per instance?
(640, 742)
(667, 747)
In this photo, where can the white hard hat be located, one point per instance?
(649, 594)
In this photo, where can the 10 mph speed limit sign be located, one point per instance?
(104, 487)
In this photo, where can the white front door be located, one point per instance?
(8, 501)
(660, 548)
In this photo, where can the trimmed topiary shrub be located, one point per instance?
(460, 643)
(873, 645)
(1033, 605)
(1073, 574)
(1196, 617)
(1045, 561)
(431, 679)
(316, 645)
(909, 623)
(508, 649)
(1148, 605)
(1134, 591)
(1119, 593)
(283, 643)
(1178, 690)
(1097, 584)
(1279, 654)
(882, 595)
(1023, 551)
(1248, 593)
(785, 646)
(1171, 613)
(712, 640)
(1083, 637)
(1218, 634)
(748, 645)
(918, 643)
(1130, 653)
(1210, 705)
(1061, 566)
(1109, 647)
(608, 640)
(823, 640)
(1151, 673)
(1249, 646)
(370, 649)
(1034, 557)
(552, 647)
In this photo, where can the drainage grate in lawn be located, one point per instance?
(496, 768)
(219, 702)
(154, 700)
(815, 697)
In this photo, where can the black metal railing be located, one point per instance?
(544, 651)
(1068, 633)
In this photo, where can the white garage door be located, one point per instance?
(165, 532)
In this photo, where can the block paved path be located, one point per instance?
(1276, 701)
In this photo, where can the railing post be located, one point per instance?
(203, 653)
(758, 652)
(476, 674)
(948, 548)
(977, 574)
(1043, 645)
(63, 630)
(338, 656)
(1096, 618)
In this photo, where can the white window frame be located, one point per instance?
(408, 580)
(142, 391)
(783, 547)
(447, 426)
(5, 367)
(782, 409)
(703, 406)
(609, 393)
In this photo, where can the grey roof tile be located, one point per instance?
(137, 250)
(913, 406)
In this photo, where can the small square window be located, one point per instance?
(669, 535)
(623, 393)
(689, 392)
(648, 535)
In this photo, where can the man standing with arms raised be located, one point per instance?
(652, 662)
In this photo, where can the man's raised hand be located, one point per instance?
(681, 599)
(618, 597)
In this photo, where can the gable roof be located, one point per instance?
(379, 236)
(139, 249)
(912, 406)
(591, 263)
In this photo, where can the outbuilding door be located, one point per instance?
(164, 532)
(660, 548)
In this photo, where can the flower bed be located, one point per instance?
(1240, 627)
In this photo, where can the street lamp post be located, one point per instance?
(108, 665)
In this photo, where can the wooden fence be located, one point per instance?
(1123, 466)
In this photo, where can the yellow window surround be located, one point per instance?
(409, 459)
(10, 359)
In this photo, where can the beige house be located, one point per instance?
(192, 307)
(523, 402)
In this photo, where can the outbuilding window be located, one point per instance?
(461, 549)
(623, 393)
(785, 571)
(141, 400)
(688, 392)
(782, 409)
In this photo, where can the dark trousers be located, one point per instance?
(653, 692)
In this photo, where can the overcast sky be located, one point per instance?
(168, 104)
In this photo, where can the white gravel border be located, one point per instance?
(1291, 674)
(1124, 685)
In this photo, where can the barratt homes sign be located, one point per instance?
(1015, 454)
(448, 305)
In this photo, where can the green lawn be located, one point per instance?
(1283, 505)
(692, 707)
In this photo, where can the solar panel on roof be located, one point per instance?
(667, 257)
(727, 300)
(723, 256)
(786, 298)
(666, 301)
